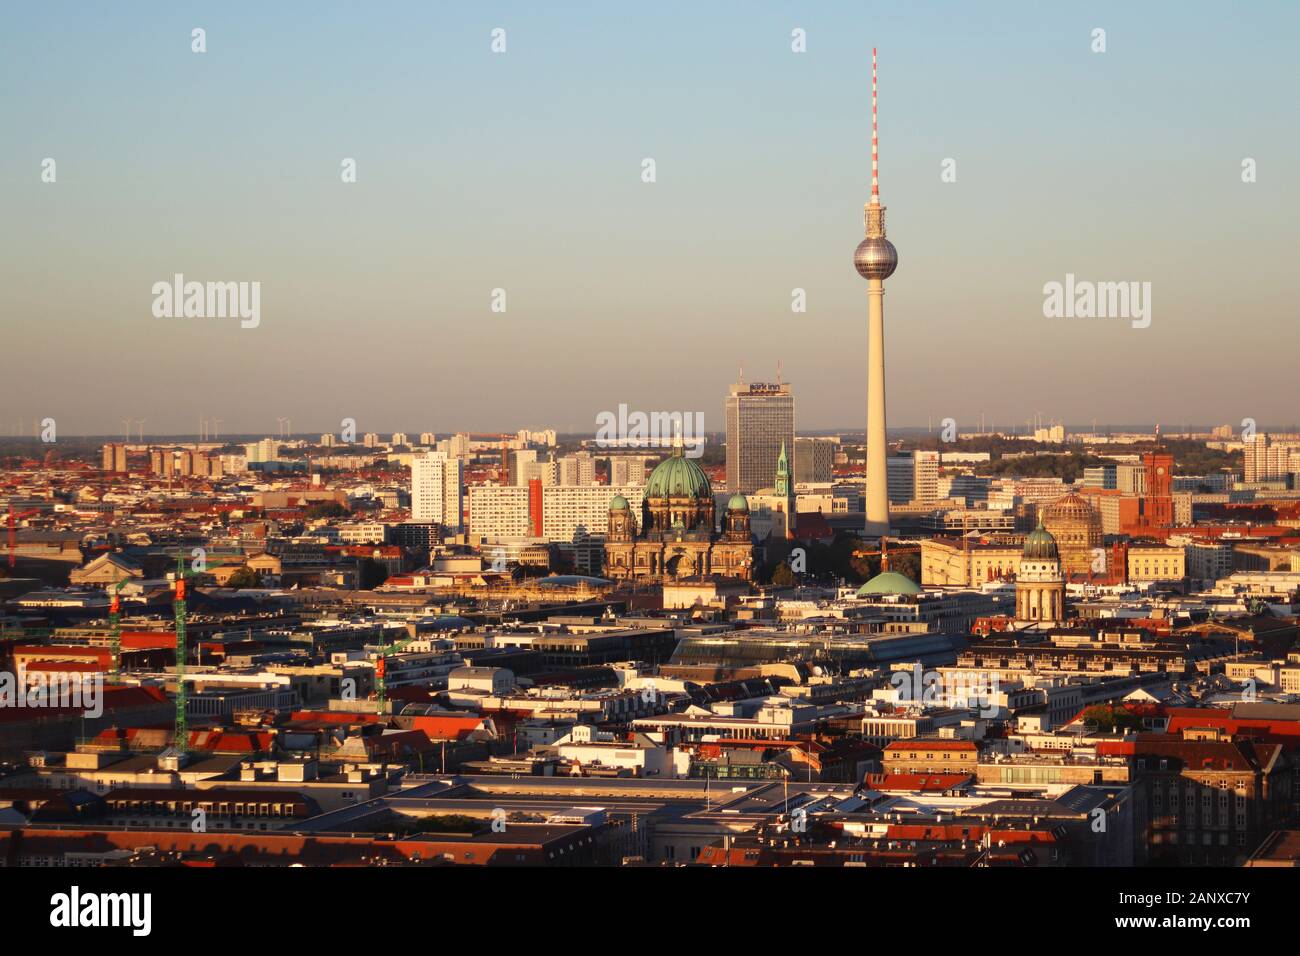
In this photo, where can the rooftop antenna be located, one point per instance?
(742, 373)
(778, 371)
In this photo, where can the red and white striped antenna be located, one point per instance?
(875, 140)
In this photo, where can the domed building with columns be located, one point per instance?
(1076, 527)
(1040, 585)
(676, 535)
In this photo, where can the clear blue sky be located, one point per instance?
(522, 171)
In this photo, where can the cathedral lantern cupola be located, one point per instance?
(736, 522)
(622, 527)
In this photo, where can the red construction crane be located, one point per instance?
(12, 518)
(505, 447)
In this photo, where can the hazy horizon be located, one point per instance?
(522, 171)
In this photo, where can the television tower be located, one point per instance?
(876, 259)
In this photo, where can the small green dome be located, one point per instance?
(678, 477)
(889, 582)
(1040, 544)
(618, 504)
(737, 503)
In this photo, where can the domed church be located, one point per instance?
(676, 535)
(1076, 528)
(1040, 586)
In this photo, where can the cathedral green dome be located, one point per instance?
(1040, 545)
(889, 582)
(678, 477)
(737, 503)
(618, 504)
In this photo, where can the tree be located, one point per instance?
(372, 574)
(864, 565)
(1111, 718)
(326, 509)
(783, 577)
(906, 563)
(244, 577)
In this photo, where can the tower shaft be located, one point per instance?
(877, 497)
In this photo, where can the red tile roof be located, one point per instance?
(916, 782)
(442, 727)
(932, 745)
(148, 640)
(332, 718)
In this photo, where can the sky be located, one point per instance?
(523, 171)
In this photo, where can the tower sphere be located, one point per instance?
(875, 258)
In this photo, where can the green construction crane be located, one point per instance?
(182, 735)
(384, 650)
(115, 622)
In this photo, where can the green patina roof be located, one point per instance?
(737, 503)
(1040, 544)
(618, 504)
(889, 582)
(678, 477)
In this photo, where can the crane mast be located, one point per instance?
(115, 623)
(182, 737)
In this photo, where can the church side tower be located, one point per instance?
(785, 491)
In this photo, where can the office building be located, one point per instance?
(814, 460)
(760, 419)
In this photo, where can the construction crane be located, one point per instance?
(505, 447)
(115, 623)
(380, 667)
(14, 516)
(181, 735)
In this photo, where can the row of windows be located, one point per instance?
(1207, 839)
(240, 809)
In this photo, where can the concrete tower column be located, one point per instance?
(877, 504)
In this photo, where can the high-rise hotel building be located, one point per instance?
(760, 420)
